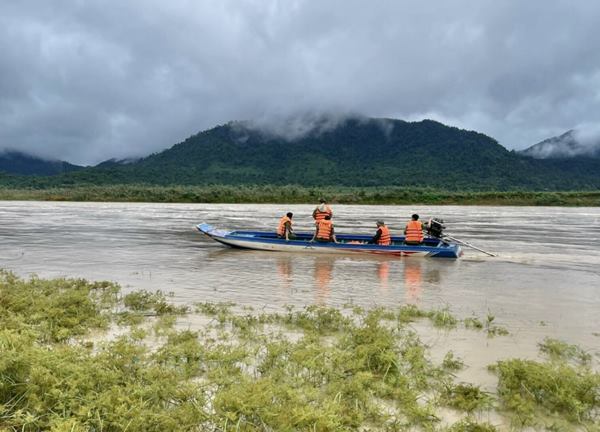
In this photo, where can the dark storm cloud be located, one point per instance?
(90, 80)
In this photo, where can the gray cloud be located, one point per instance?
(87, 81)
(589, 137)
(583, 141)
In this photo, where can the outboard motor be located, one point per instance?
(435, 227)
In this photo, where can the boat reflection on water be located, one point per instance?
(323, 276)
(393, 276)
(383, 273)
(404, 273)
(330, 279)
(284, 268)
(417, 275)
(413, 280)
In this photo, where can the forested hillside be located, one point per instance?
(13, 162)
(358, 152)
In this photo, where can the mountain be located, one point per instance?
(572, 143)
(348, 152)
(14, 162)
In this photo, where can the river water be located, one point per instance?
(545, 281)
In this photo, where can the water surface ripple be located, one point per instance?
(546, 280)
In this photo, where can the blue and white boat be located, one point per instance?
(347, 244)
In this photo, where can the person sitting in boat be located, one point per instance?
(284, 229)
(382, 237)
(413, 231)
(324, 231)
(321, 211)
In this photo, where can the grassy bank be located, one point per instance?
(317, 368)
(298, 194)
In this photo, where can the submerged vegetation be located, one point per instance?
(314, 368)
(294, 194)
(560, 350)
(526, 387)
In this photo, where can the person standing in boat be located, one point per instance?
(325, 231)
(414, 231)
(382, 237)
(321, 211)
(284, 229)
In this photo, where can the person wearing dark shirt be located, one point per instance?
(382, 236)
(284, 229)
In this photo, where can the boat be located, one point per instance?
(347, 244)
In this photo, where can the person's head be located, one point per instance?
(415, 217)
(322, 200)
(328, 217)
(290, 214)
(380, 223)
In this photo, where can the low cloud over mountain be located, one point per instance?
(584, 142)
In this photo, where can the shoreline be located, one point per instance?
(226, 194)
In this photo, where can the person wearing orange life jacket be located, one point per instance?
(382, 237)
(321, 211)
(414, 231)
(284, 229)
(324, 231)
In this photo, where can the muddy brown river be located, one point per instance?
(545, 281)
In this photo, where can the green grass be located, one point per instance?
(561, 350)
(528, 388)
(57, 310)
(465, 397)
(311, 368)
(470, 425)
(297, 194)
(452, 363)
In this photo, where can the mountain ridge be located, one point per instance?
(355, 151)
(570, 144)
(21, 163)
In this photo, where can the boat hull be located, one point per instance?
(348, 244)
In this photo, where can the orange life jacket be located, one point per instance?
(414, 232)
(325, 229)
(320, 215)
(385, 239)
(281, 228)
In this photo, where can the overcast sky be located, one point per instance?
(87, 80)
